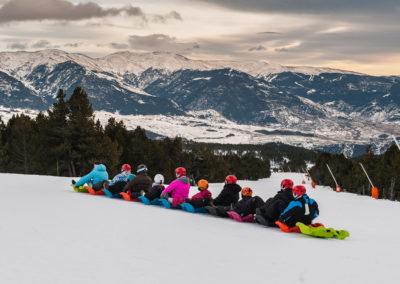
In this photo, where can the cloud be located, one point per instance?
(119, 45)
(17, 46)
(63, 10)
(160, 42)
(257, 48)
(164, 18)
(309, 6)
(73, 44)
(41, 44)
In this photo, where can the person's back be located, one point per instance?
(179, 188)
(229, 194)
(95, 178)
(140, 184)
(248, 204)
(203, 197)
(274, 206)
(302, 209)
(157, 189)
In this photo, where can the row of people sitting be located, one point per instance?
(290, 205)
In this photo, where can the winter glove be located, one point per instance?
(164, 195)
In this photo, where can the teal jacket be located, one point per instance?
(98, 174)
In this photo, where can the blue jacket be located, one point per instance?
(303, 209)
(123, 176)
(98, 174)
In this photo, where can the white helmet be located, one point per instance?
(159, 179)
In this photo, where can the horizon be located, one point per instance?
(359, 36)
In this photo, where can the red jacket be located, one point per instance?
(202, 195)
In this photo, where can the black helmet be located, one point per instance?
(141, 168)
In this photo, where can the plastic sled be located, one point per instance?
(81, 188)
(95, 192)
(144, 200)
(235, 216)
(322, 232)
(286, 229)
(189, 208)
(127, 197)
(111, 195)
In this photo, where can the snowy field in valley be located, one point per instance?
(51, 234)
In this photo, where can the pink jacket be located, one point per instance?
(179, 188)
(202, 195)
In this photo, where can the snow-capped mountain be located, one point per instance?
(214, 101)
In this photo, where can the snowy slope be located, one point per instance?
(51, 234)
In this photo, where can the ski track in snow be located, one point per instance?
(51, 234)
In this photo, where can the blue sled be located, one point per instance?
(144, 200)
(109, 194)
(164, 203)
(189, 208)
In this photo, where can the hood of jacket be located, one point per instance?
(100, 168)
(184, 179)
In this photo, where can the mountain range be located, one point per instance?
(212, 101)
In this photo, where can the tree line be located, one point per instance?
(384, 171)
(67, 140)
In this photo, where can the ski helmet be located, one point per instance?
(141, 168)
(298, 191)
(286, 184)
(231, 179)
(126, 167)
(159, 179)
(202, 184)
(247, 191)
(180, 171)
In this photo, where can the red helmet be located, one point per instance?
(299, 190)
(125, 167)
(180, 171)
(286, 184)
(247, 191)
(231, 179)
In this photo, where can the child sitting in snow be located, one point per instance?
(157, 189)
(246, 206)
(178, 190)
(229, 194)
(116, 185)
(302, 209)
(269, 213)
(95, 178)
(202, 198)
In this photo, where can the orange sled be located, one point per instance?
(127, 197)
(94, 192)
(294, 229)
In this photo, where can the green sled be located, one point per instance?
(322, 232)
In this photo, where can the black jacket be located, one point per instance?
(248, 205)
(154, 192)
(141, 182)
(117, 187)
(229, 195)
(274, 206)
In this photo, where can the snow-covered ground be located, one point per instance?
(51, 234)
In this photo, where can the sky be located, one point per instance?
(356, 35)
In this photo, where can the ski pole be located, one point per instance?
(397, 143)
(337, 186)
(374, 190)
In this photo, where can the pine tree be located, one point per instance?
(21, 146)
(81, 133)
